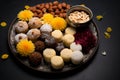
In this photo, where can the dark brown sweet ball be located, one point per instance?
(35, 59)
(39, 45)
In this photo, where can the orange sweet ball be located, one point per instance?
(25, 15)
(58, 23)
(47, 18)
(25, 47)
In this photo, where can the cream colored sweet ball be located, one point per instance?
(33, 34)
(35, 22)
(66, 54)
(77, 57)
(70, 30)
(57, 34)
(20, 36)
(75, 47)
(48, 53)
(21, 27)
(68, 39)
(57, 62)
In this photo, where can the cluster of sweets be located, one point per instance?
(49, 39)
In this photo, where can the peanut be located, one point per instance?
(59, 6)
(47, 6)
(55, 3)
(64, 4)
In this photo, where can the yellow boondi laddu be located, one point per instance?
(25, 15)
(25, 47)
(47, 18)
(58, 23)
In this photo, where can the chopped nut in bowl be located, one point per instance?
(79, 16)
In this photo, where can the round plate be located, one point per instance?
(44, 67)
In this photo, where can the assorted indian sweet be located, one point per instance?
(68, 39)
(66, 54)
(25, 47)
(21, 27)
(47, 37)
(35, 58)
(20, 36)
(57, 34)
(77, 57)
(57, 62)
(48, 53)
(39, 45)
(46, 28)
(35, 22)
(70, 30)
(33, 34)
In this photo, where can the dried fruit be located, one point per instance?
(3, 24)
(64, 4)
(4, 56)
(109, 29)
(107, 35)
(104, 53)
(99, 17)
(55, 2)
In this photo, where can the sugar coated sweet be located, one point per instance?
(76, 57)
(57, 62)
(75, 47)
(48, 53)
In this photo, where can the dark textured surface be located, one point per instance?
(99, 68)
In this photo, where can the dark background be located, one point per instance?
(98, 68)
